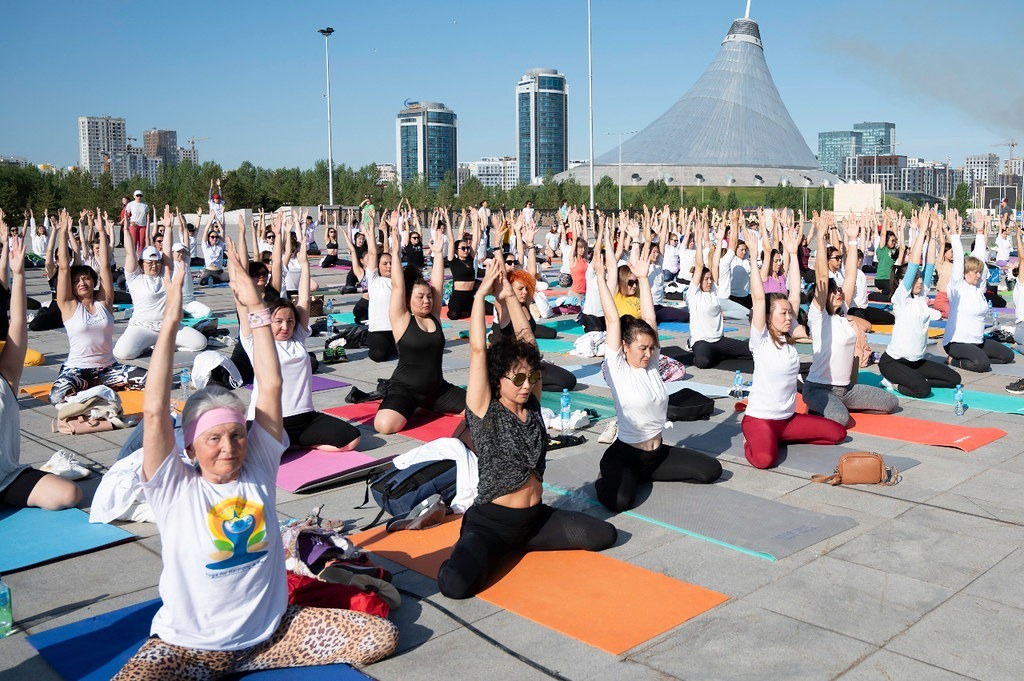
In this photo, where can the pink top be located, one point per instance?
(579, 276)
(776, 283)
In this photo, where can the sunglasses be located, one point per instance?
(836, 257)
(521, 378)
(463, 248)
(632, 282)
(414, 238)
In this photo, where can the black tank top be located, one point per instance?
(462, 270)
(419, 358)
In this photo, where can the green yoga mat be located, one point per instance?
(554, 345)
(343, 318)
(192, 321)
(973, 399)
(604, 407)
(565, 326)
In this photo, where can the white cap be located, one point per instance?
(178, 246)
(151, 253)
(138, 192)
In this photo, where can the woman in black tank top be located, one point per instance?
(417, 380)
(461, 262)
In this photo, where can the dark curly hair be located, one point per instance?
(633, 327)
(506, 352)
(413, 277)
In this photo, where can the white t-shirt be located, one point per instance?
(656, 277)
(687, 259)
(138, 213)
(552, 240)
(706, 321)
(292, 274)
(148, 297)
(967, 305)
(910, 332)
(834, 341)
(39, 244)
(296, 374)
(311, 228)
(670, 257)
(217, 211)
(1003, 247)
(592, 298)
(223, 584)
(528, 214)
(1018, 302)
(773, 390)
(90, 337)
(740, 278)
(188, 293)
(860, 288)
(725, 273)
(641, 400)
(213, 256)
(380, 301)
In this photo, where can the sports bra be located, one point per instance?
(462, 270)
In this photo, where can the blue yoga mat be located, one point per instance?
(94, 649)
(32, 536)
(684, 327)
(973, 399)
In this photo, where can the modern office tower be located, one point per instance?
(161, 144)
(426, 142)
(877, 138)
(103, 146)
(542, 124)
(836, 145)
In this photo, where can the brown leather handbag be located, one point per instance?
(861, 468)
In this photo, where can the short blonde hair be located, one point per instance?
(972, 264)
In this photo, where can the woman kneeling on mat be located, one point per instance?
(418, 380)
(641, 402)
(503, 415)
(289, 323)
(829, 390)
(225, 594)
(771, 418)
(903, 364)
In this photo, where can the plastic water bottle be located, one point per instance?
(990, 313)
(566, 413)
(185, 381)
(329, 309)
(737, 384)
(958, 400)
(6, 616)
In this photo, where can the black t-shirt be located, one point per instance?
(413, 254)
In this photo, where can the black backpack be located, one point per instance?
(689, 405)
(398, 491)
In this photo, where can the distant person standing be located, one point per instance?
(216, 201)
(528, 212)
(1004, 208)
(369, 213)
(138, 221)
(484, 213)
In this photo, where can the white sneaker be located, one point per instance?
(611, 431)
(888, 385)
(65, 464)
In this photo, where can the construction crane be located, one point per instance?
(192, 141)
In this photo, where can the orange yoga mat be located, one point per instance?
(966, 438)
(887, 328)
(131, 400)
(424, 426)
(601, 601)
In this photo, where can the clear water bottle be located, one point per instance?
(990, 312)
(329, 309)
(6, 616)
(737, 385)
(566, 413)
(958, 400)
(185, 382)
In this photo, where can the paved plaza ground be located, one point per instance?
(925, 585)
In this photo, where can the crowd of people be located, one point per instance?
(621, 276)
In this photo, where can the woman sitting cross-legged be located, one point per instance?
(224, 588)
(771, 418)
(641, 401)
(503, 414)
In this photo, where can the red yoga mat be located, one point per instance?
(425, 426)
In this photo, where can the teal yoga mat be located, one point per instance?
(565, 326)
(973, 399)
(604, 407)
(343, 318)
(32, 536)
(554, 345)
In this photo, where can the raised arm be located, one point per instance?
(398, 310)
(850, 230)
(955, 227)
(12, 357)
(791, 245)
(276, 266)
(302, 303)
(106, 291)
(821, 266)
(613, 325)
(436, 273)
(640, 266)
(478, 389)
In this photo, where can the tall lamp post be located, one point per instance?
(326, 33)
(590, 98)
(620, 134)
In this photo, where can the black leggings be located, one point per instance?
(980, 357)
(555, 379)
(381, 345)
(47, 318)
(917, 378)
(329, 260)
(242, 363)
(460, 303)
(746, 301)
(314, 428)
(624, 467)
(670, 314)
(873, 315)
(592, 323)
(491, 533)
(708, 354)
(361, 310)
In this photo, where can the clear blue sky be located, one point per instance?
(250, 76)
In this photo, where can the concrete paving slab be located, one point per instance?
(886, 665)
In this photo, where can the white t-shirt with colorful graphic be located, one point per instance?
(223, 584)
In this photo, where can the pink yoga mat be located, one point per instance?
(318, 383)
(303, 469)
(425, 426)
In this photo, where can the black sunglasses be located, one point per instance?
(521, 378)
(632, 282)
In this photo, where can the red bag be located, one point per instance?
(317, 594)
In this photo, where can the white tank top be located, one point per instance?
(90, 338)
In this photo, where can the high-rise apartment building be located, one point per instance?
(542, 124)
(427, 142)
(142, 165)
(387, 173)
(981, 170)
(836, 145)
(877, 138)
(932, 178)
(494, 172)
(161, 144)
(103, 145)
(188, 154)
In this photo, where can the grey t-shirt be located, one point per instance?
(10, 436)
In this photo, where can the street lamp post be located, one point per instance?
(590, 96)
(620, 134)
(326, 33)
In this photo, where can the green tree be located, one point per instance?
(415, 190)
(390, 195)
(731, 200)
(472, 193)
(573, 192)
(714, 198)
(519, 195)
(546, 197)
(606, 194)
(445, 196)
(961, 199)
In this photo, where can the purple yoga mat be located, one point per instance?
(318, 383)
(302, 469)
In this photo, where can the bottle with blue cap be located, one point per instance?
(566, 413)
(958, 400)
(6, 614)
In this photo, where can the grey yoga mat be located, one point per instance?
(742, 522)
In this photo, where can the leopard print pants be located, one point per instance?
(306, 637)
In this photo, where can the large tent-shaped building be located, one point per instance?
(730, 128)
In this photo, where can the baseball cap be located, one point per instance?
(216, 197)
(138, 192)
(151, 253)
(178, 246)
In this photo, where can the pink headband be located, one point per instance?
(209, 419)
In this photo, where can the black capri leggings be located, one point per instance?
(873, 315)
(361, 310)
(708, 354)
(381, 345)
(490, 533)
(917, 378)
(555, 379)
(460, 303)
(329, 260)
(624, 467)
(314, 428)
(592, 323)
(980, 357)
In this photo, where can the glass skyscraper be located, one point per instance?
(427, 142)
(834, 146)
(877, 138)
(542, 124)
